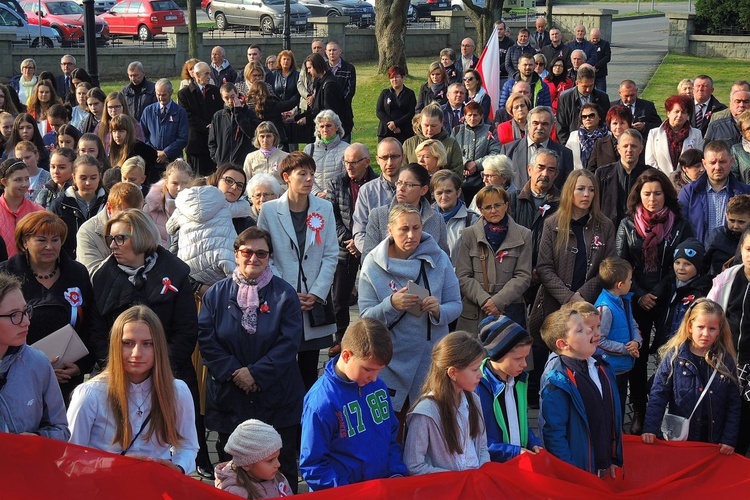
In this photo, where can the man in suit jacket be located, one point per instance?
(201, 101)
(540, 37)
(63, 82)
(453, 110)
(556, 48)
(603, 56)
(705, 103)
(645, 116)
(539, 127)
(581, 43)
(467, 59)
(727, 129)
(165, 128)
(569, 104)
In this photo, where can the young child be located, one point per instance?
(620, 336)
(253, 472)
(679, 290)
(61, 176)
(230, 137)
(503, 389)
(133, 170)
(579, 417)
(348, 425)
(202, 221)
(29, 154)
(723, 241)
(702, 344)
(445, 428)
(160, 200)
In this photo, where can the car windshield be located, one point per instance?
(164, 5)
(274, 2)
(64, 8)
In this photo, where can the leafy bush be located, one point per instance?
(722, 16)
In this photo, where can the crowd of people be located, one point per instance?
(527, 253)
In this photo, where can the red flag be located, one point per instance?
(489, 68)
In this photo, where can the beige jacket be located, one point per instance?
(92, 249)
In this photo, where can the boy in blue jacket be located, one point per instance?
(348, 425)
(620, 337)
(579, 415)
(503, 389)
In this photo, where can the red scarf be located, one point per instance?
(675, 138)
(653, 228)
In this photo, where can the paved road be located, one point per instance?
(638, 47)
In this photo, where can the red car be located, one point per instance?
(65, 17)
(206, 6)
(143, 18)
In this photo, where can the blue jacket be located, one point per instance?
(348, 433)
(678, 383)
(587, 47)
(168, 133)
(539, 91)
(270, 355)
(693, 201)
(562, 417)
(621, 329)
(490, 389)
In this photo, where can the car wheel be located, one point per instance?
(143, 33)
(208, 10)
(414, 16)
(456, 8)
(45, 42)
(221, 21)
(59, 32)
(266, 25)
(333, 13)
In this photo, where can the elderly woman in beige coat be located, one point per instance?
(494, 263)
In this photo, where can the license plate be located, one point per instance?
(366, 16)
(170, 18)
(300, 22)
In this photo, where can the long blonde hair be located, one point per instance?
(722, 347)
(163, 421)
(565, 211)
(459, 350)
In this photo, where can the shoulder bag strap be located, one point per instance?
(143, 426)
(703, 393)
(485, 278)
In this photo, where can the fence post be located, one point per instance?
(681, 27)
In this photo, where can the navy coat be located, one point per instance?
(270, 355)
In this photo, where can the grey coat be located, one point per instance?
(319, 261)
(412, 344)
(377, 226)
(741, 167)
(556, 268)
(476, 143)
(508, 280)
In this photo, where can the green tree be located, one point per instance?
(716, 16)
(192, 24)
(484, 17)
(390, 33)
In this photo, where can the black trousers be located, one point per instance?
(343, 284)
(287, 457)
(202, 165)
(639, 374)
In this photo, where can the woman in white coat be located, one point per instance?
(327, 150)
(306, 249)
(666, 143)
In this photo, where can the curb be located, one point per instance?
(644, 16)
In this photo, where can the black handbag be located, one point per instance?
(322, 313)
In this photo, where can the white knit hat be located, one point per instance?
(252, 441)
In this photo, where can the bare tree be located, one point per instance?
(390, 33)
(548, 13)
(192, 24)
(484, 17)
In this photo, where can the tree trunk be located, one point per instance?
(548, 14)
(484, 18)
(192, 24)
(390, 33)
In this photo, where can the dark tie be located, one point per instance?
(699, 116)
(67, 84)
(540, 38)
(163, 111)
(457, 117)
(204, 92)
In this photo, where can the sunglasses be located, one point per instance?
(248, 253)
(590, 116)
(470, 79)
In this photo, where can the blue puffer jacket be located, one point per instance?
(678, 383)
(562, 417)
(620, 331)
(490, 389)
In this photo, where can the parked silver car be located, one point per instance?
(360, 12)
(26, 34)
(267, 15)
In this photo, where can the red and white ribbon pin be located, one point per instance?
(75, 299)
(167, 285)
(316, 223)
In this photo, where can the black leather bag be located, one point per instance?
(322, 314)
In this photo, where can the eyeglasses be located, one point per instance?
(590, 116)
(469, 79)
(389, 157)
(407, 185)
(112, 108)
(539, 64)
(488, 176)
(16, 317)
(355, 162)
(119, 239)
(263, 196)
(248, 253)
(496, 206)
(231, 182)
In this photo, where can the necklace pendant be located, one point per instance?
(139, 413)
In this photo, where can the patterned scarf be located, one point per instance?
(588, 139)
(267, 152)
(496, 233)
(675, 138)
(247, 296)
(653, 228)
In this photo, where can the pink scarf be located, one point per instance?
(247, 296)
(653, 228)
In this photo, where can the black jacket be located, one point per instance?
(139, 98)
(724, 129)
(339, 193)
(284, 88)
(645, 111)
(607, 178)
(562, 51)
(603, 57)
(200, 112)
(673, 303)
(176, 309)
(272, 112)
(66, 207)
(427, 96)
(329, 95)
(526, 214)
(630, 248)
(722, 245)
(714, 105)
(398, 108)
(231, 135)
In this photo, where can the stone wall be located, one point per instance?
(683, 40)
